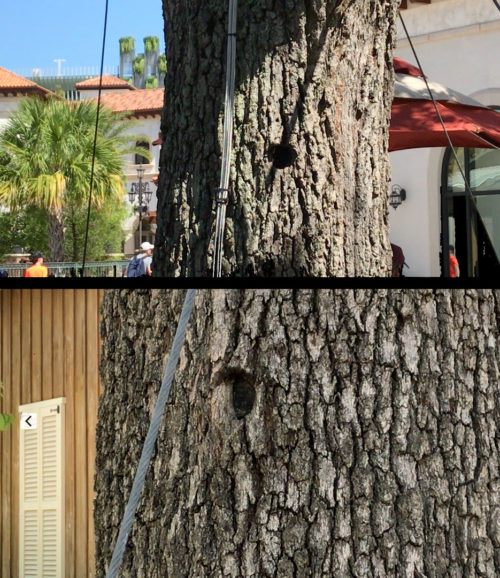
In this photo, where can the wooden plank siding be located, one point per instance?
(49, 347)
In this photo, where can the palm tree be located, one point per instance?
(46, 154)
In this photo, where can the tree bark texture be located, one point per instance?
(314, 85)
(309, 433)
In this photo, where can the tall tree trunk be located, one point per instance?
(74, 236)
(314, 85)
(56, 234)
(309, 433)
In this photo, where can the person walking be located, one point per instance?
(140, 264)
(454, 268)
(37, 269)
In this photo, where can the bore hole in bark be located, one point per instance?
(243, 395)
(283, 155)
(323, 105)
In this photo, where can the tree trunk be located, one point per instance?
(70, 221)
(56, 235)
(314, 85)
(309, 433)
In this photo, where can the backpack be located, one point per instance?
(136, 267)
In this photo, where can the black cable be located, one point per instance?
(497, 4)
(468, 190)
(433, 99)
(95, 140)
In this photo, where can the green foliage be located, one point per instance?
(151, 82)
(26, 228)
(162, 64)
(127, 44)
(46, 152)
(151, 43)
(138, 64)
(5, 418)
(105, 231)
(46, 156)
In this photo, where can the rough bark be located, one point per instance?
(309, 433)
(315, 76)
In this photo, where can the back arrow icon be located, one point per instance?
(27, 420)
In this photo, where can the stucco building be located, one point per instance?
(143, 105)
(457, 44)
(12, 88)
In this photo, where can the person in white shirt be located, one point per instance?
(140, 264)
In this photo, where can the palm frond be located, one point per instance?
(47, 149)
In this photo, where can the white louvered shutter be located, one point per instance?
(41, 490)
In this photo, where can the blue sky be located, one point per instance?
(33, 33)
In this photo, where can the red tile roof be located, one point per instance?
(108, 81)
(141, 102)
(11, 83)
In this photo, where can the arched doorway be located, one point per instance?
(472, 227)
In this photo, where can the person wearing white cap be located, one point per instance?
(140, 264)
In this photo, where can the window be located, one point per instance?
(72, 95)
(41, 489)
(139, 159)
(472, 226)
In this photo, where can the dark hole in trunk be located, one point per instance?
(243, 396)
(283, 156)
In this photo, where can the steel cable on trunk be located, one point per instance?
(154, 426)
(222, 191)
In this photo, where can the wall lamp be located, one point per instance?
(397, 196)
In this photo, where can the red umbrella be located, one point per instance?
(415, 123)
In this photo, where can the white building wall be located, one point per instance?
(149, 127)
(457, 44)
(86, 93)
(8, 104)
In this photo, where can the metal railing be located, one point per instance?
(92, 269)
(65, 71)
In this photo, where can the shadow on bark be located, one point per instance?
(268, 31)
